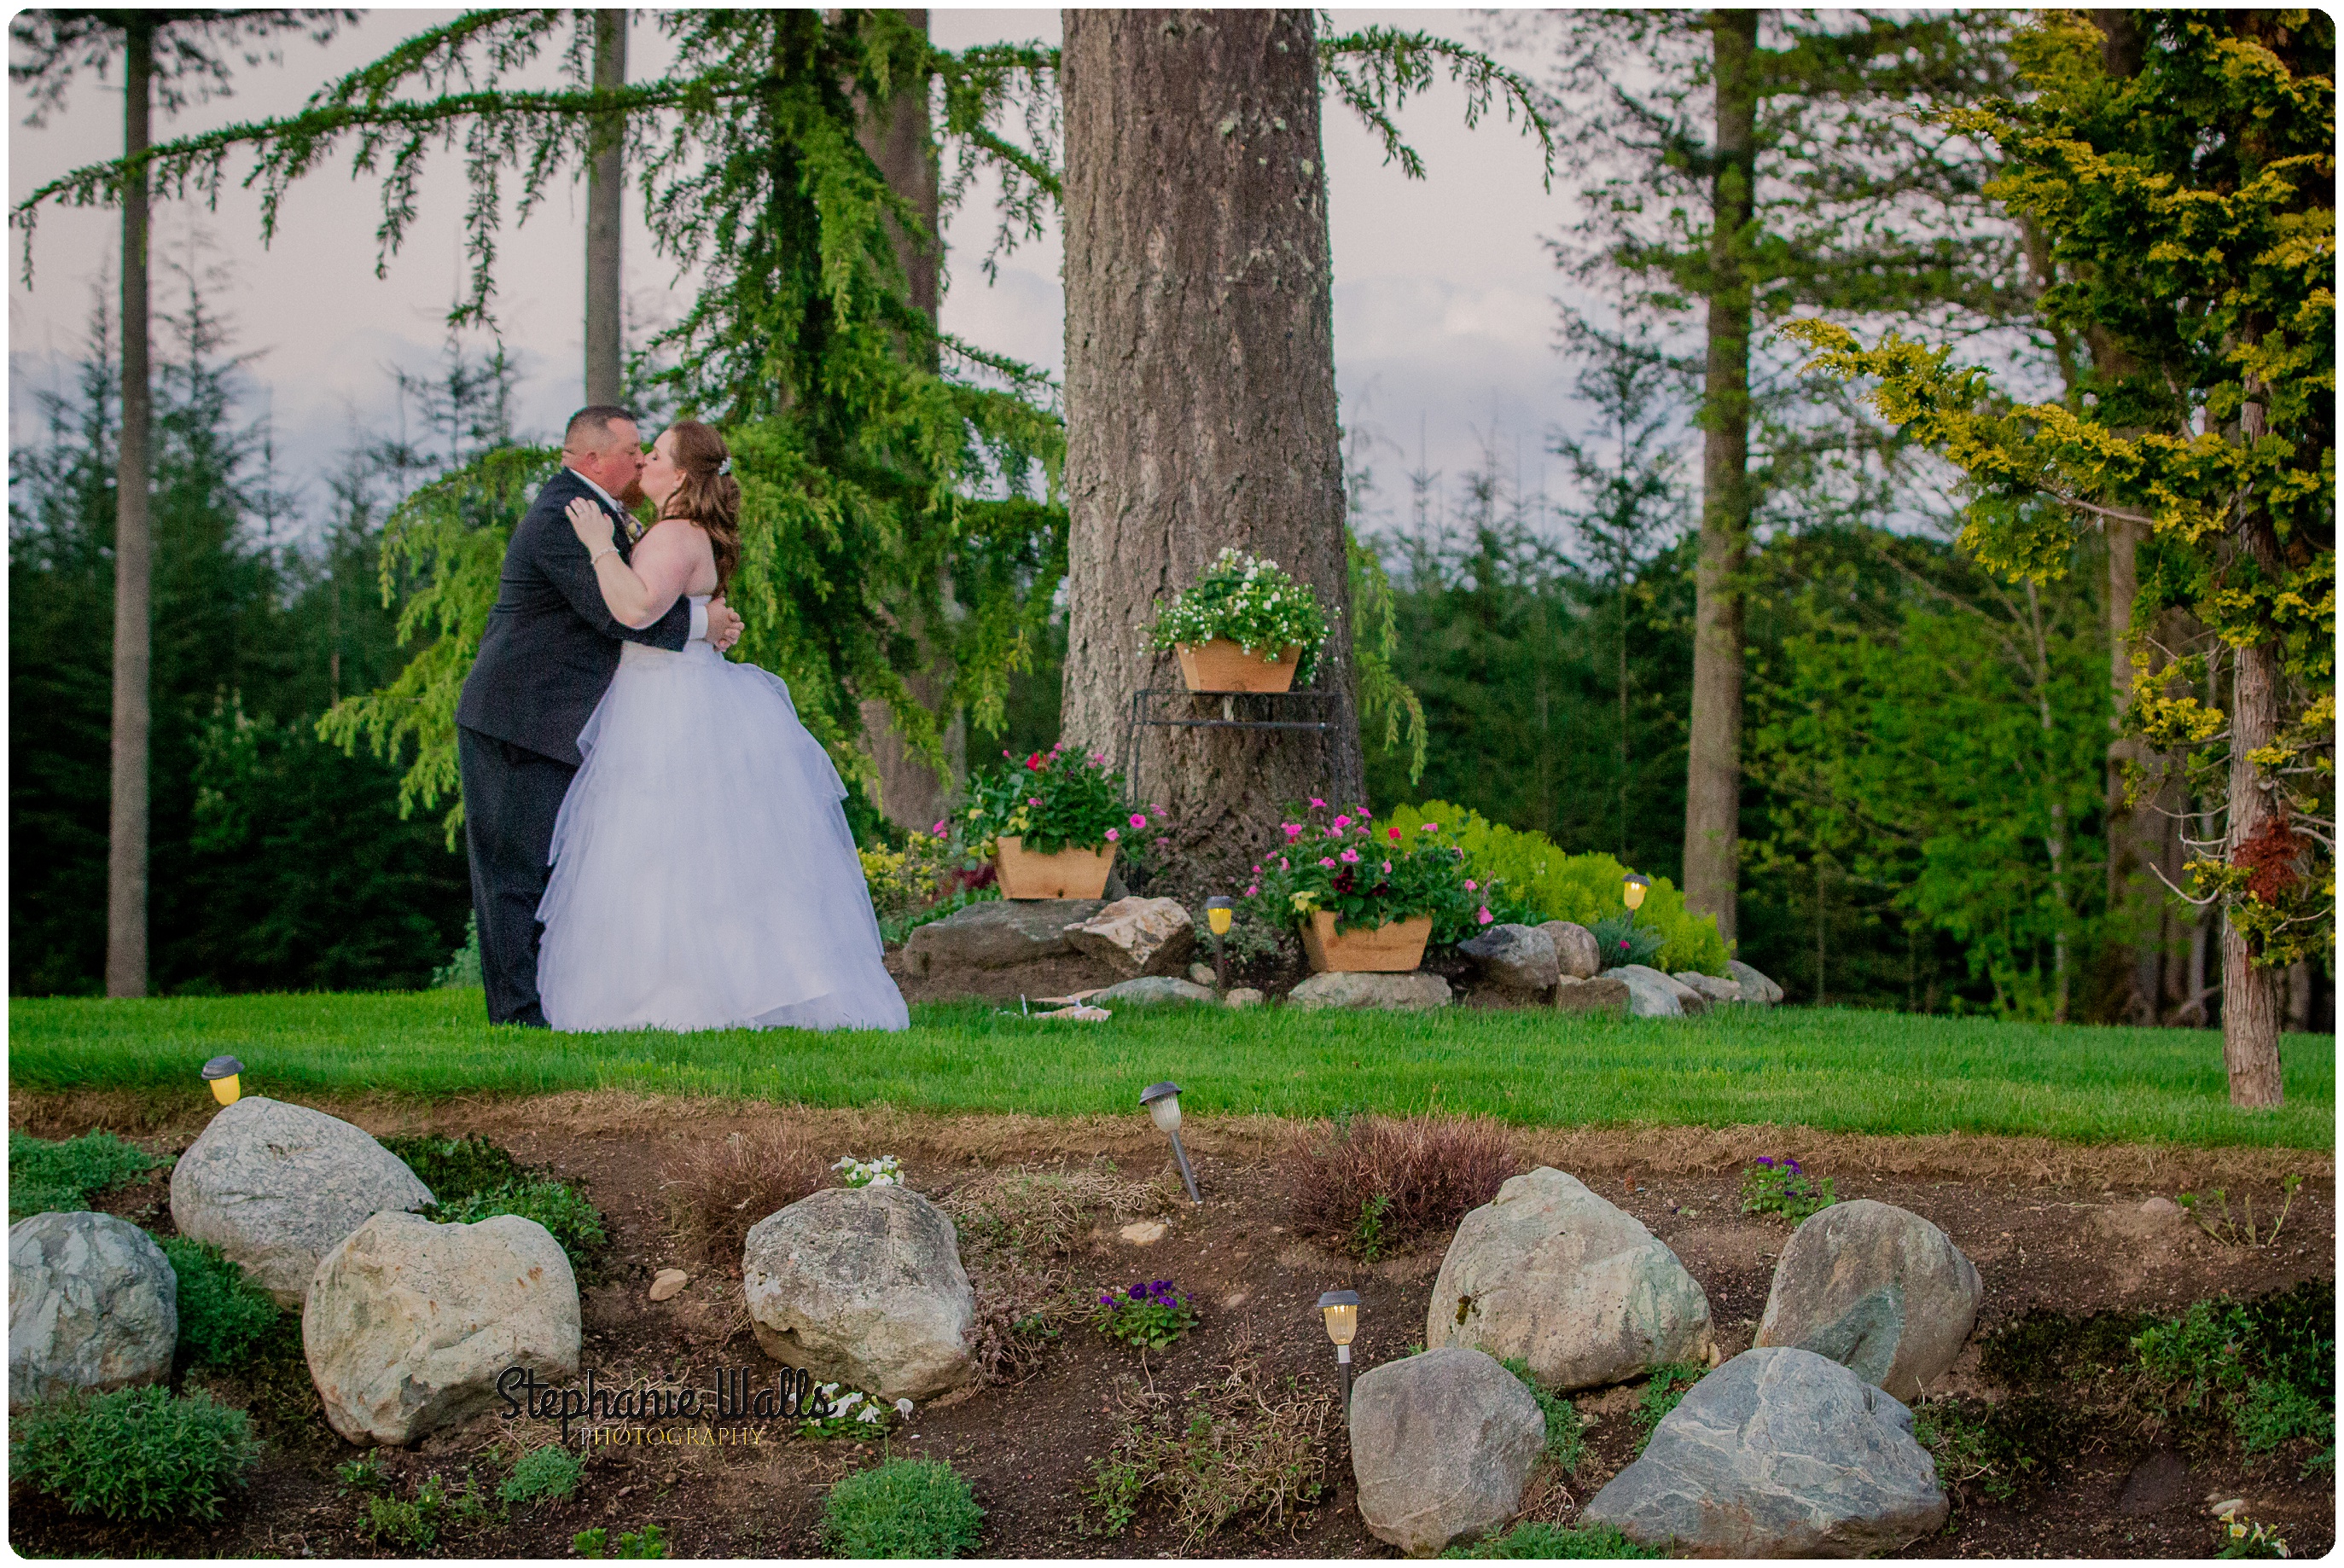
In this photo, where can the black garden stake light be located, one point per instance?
(1342, 1312)
(1162, 1103)
(1218, 912)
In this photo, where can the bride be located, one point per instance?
(703, 876)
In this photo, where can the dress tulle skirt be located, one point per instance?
(703, 876)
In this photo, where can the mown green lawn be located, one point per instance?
(1851, 1071)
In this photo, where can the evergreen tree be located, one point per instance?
(2192, 206)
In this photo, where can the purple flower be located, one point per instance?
(1766, 1160)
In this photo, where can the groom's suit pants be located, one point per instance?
(511, 796)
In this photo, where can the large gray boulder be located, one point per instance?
(1518, 958)
(1650, 994)
(1576, 949)
(1710, 989)
(276, 1187)
(1877, 1288)
(93, 1306)
(409, 1324)
(1755, 986)
(1778, 1453)
(861, 1286)
(1411, 992)
(998, 933)
(1137, 936)
(1552, 1273)
(1601, 994)
(1441, 1444)
(1688, 1000)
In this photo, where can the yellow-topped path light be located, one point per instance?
(1219, 911)
(222, 1073)
(1341, 1309)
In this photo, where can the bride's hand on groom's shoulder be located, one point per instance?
(723, 626)
(591, 523)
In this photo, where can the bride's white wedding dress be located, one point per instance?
(703, 875)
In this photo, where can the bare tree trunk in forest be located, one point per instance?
(134, 553)
(606, 184)
(900, 140)
(2250, 992)
(1713, 767)
(1201, 386)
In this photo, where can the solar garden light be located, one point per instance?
(1218, 912)
(1633, 888)
(1342, 1310)
(221, 1072)
(1162, 1103)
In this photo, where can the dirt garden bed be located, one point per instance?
(2052, 1228)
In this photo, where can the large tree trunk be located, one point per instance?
(1714, 766)
(897, 136)
(2250, 992)
(133, 555)
(606, 183)
(1200, 389)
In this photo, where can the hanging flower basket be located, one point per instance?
(1393, 948)
(1068, 873)
(1221, 665)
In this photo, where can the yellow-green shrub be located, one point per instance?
(1579, 888)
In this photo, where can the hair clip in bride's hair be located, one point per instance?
(726, 465)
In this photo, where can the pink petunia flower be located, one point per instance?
(1486, 916)
(1393, 834)
(1328, 863)
(1283, 864)
(1387, 867)
(1428, 828)
(1138, 819)
(1342, 822)
(1317, 804)
(1098, 758)
(1256, 870)
(1253, 890)
(1471, 885)
(1032, 799)
(1112, 835)
(938, 830)
(1293, 830)
(1351, 857)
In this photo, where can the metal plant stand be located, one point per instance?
(1151, 709)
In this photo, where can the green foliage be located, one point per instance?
(1770, 1186)
(136, 1454)
(1051, 800)
(1584, 889)
(224, 1317)
(46, 1177)
(1375, 655)
(558, 1206)
(2246, 1537)
(1251, 602)
(405, 1525)
(1245, 1447)
(2239, 1230)
(901, 1508)
(544, 1474)
(363, 1473)
(456, 1167)
(1664, 1389)
(1367, 875)
(1622, 938)
(1150, 1315)
(1533, 1538)
(650, 1541)
(1566, 1440)
(1998, 1448)
(2189, 211)
(463, 965)
(1367, 1238)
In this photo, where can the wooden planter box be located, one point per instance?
(1068, 874)
(1393, 948)
(1221, 665)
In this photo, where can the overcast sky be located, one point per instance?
(1444, 293)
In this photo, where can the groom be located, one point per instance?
(546, 656)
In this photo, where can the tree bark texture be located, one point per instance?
(1713, 767)
(606, 184)
(1200, 390)
(2250, 992)
(899, 138)
(133, 555)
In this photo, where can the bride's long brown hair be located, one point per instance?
(707, 496)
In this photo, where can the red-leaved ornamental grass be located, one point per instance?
(1374, 1184)
(724, 1187)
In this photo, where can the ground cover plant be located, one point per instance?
(474, 1180)
(1772, 1186)
(224, 1317)
(46, 1177)
(901, 1508)
(1535, 1538)
(1148, 1315)
(1832, 1069)
(136, 1453)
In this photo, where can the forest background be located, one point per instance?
(1924, 813)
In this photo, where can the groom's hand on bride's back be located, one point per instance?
(723, 626)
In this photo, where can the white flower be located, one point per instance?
(849, 1402)
(872, 1412)
(904, 1407)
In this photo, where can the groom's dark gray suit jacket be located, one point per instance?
(551, 646)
